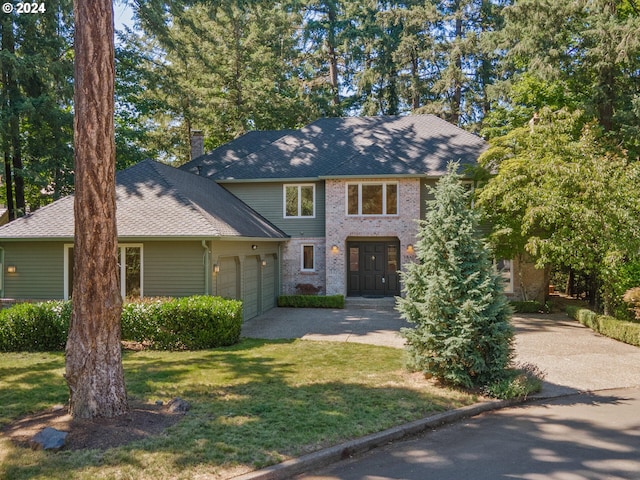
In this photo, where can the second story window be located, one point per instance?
(299, 201)
(372, 198)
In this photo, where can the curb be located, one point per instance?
(345, 450)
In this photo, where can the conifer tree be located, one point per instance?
(462, 332)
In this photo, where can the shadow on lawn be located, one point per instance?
(249, 408)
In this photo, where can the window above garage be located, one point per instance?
(299, 200)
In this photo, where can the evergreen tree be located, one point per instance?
(453, 295)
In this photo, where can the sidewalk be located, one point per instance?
(574, 359)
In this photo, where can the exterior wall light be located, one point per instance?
(254, 247)
(410, 248)
(264, 263)
(216, 268)
(11, 269)
(335, 249)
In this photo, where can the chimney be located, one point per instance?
(197, 143)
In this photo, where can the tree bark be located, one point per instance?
(93, 357)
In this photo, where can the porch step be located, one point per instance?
(370, 302)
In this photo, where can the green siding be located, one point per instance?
(425, 196)
(39, 270)
(174, 269)
(267, 199)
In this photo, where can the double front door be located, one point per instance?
(373, 268)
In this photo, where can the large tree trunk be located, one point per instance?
(93, 361)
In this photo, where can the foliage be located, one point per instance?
(529, 306)
(565, 196)
(311, 301)
(519, 382)
(632, 298)
(36, 122)
(571, 54)
(35, 327)
(253, 404)
(189, 323)
(453, 295)
(624, 331)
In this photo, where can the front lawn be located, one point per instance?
(253, 404)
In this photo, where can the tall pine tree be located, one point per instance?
(462, 333)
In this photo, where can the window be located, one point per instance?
(130, 274)
(505, 271)
(308, 258)
(299, 201)
(372, 198)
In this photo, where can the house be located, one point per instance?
(169, 224)
(347, 191)
(331, 207)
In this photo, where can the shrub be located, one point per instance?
(519, 382)
(165, 324)
(624, 331)
(307, 289)
(529, 306)
(189, 323)
(35, 327)
(311, 301)
(632, 298)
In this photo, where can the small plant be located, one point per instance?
(307, 289)
(518, 383)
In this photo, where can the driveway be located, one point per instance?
(588, 436)
(573, 357)
(373, 321)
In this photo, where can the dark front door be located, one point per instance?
(373, 268)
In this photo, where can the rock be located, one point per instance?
(177, 405)
(48, 439)
(159, 403)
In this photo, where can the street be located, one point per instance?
(592, 436)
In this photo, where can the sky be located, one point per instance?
(122, 15)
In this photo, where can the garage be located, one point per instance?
(251, 283)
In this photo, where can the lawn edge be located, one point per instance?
(330, 455)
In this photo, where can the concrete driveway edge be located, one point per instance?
(345, 450)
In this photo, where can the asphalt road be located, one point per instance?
(581, 436)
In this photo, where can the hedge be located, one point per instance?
(189, 323)
(35, 327)
(311, 301)
(622, 330)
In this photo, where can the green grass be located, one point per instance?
(254, 404)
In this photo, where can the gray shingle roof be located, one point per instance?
(352, 146)
(211, 163)
(156, 200)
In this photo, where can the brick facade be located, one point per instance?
(292, 273)
(340, 227)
